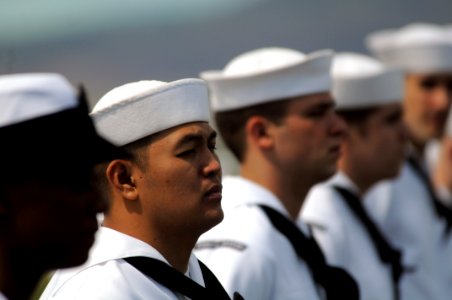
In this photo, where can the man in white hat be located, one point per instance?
(407, 209)
(47, 206)
(162, 198)
(368, 98)
(274, 111)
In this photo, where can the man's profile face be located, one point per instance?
(53, 221)
(181, 184)
(309, 137)
(378, 144)
(426, 104)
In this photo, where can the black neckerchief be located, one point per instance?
(385, 251)
(441, 210)
(176, 281)
(336, 282)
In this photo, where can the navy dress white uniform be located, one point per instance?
(106, 275)
(344, 240)
(334, 209)
(404, 211)
(404, 208)
(248, 254)
(120, 265)
(258, 249)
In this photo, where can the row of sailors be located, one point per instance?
(308, 216)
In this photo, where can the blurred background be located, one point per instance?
(106, 43)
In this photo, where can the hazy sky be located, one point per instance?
(106, 43)
(24, 22)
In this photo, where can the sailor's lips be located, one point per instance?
(213, 193)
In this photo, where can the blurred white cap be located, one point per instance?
(139, 109)
(31, 95)
(360, 81)
(267, 75)
(416, 48)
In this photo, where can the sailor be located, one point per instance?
(162, 198)
(368, 98)
(47, 206)
(275, 113)
(407, 209)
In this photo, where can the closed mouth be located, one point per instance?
(214, 192)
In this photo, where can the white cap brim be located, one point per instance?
(309, 75)
(360, 81)
(31, 95)
(128, 119)
(416, 48)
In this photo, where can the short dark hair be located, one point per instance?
(231, 124)
(136, 152)
(99, 181)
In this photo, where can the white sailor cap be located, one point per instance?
(360, 81)
(31, 95)
(44, 110)
(267, 75)
(416, 48)
(139, 109)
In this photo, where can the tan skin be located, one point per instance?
(374, 150)
(426, 104)
(174, 198)
(289, 158)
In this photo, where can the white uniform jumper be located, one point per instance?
(404, 211)
(107, 276)
(246, 252)
(344, 239)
